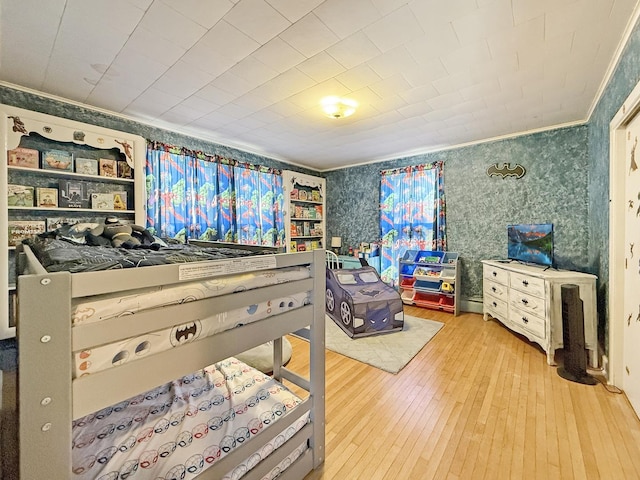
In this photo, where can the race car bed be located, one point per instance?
(129, 371)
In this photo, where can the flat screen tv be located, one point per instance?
(531, 243)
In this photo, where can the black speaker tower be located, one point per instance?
(575, 354)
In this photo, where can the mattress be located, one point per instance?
(58, 253)
(102, 307)
(118, 353)
(179, 429)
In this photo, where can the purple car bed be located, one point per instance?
(362, 304)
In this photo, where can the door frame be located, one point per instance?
(617, 177)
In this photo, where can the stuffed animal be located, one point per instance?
(119, 234)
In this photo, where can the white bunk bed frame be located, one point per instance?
(49, 398)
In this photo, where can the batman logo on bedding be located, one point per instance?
(185, 333)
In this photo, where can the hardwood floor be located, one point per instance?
(478, 402)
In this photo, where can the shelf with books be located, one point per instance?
(305, 211)
(57, 171)
(69, 209)
(67, 174)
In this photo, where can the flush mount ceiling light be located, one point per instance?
(336, 107)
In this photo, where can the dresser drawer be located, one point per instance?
(495, 307)
(528, 303)
(525, 283)
(495, 289)
(496, 274)
(527, 321)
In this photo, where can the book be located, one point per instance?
(124, 170)
(302, 194)
(23, 157)
(107, 167)
(72, 194)
(294, 194)
(87, 166)
(56, 222)
(46, 197)
(119, 200)
(19, 196)
(315, 195)
(20, 230)
(302, 247)
(102, 201)
(57, 160)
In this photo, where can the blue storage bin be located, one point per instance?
(427, 256)
(409, 255)
(407, 268)
(427, 284)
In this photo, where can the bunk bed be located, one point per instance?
(160, 412)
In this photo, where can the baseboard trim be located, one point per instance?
(473, 306)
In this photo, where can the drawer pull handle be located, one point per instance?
(525, 320)
(495, 274)
(493, 289)
(495, 305)
(525, 283)
(525, 301)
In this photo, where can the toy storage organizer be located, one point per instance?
(430, 279)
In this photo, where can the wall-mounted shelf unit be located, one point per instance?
(305, 211)
(54, 170)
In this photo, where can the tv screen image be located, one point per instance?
(531, 243)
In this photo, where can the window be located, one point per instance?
(412, 214)
(205, 197)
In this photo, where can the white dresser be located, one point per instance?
(527, 299)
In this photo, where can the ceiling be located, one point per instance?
(427, 74)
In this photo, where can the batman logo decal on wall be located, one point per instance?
(185, 333)
(506, 171)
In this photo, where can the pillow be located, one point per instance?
(261, 357)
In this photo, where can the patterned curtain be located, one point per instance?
(259, 202)
(195, 195)
(171, 191)
(412, 214)
(226, 202)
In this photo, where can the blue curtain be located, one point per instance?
(171, 189)
(194, 195)
(259, 201)
(226, 202)
(412, 214)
